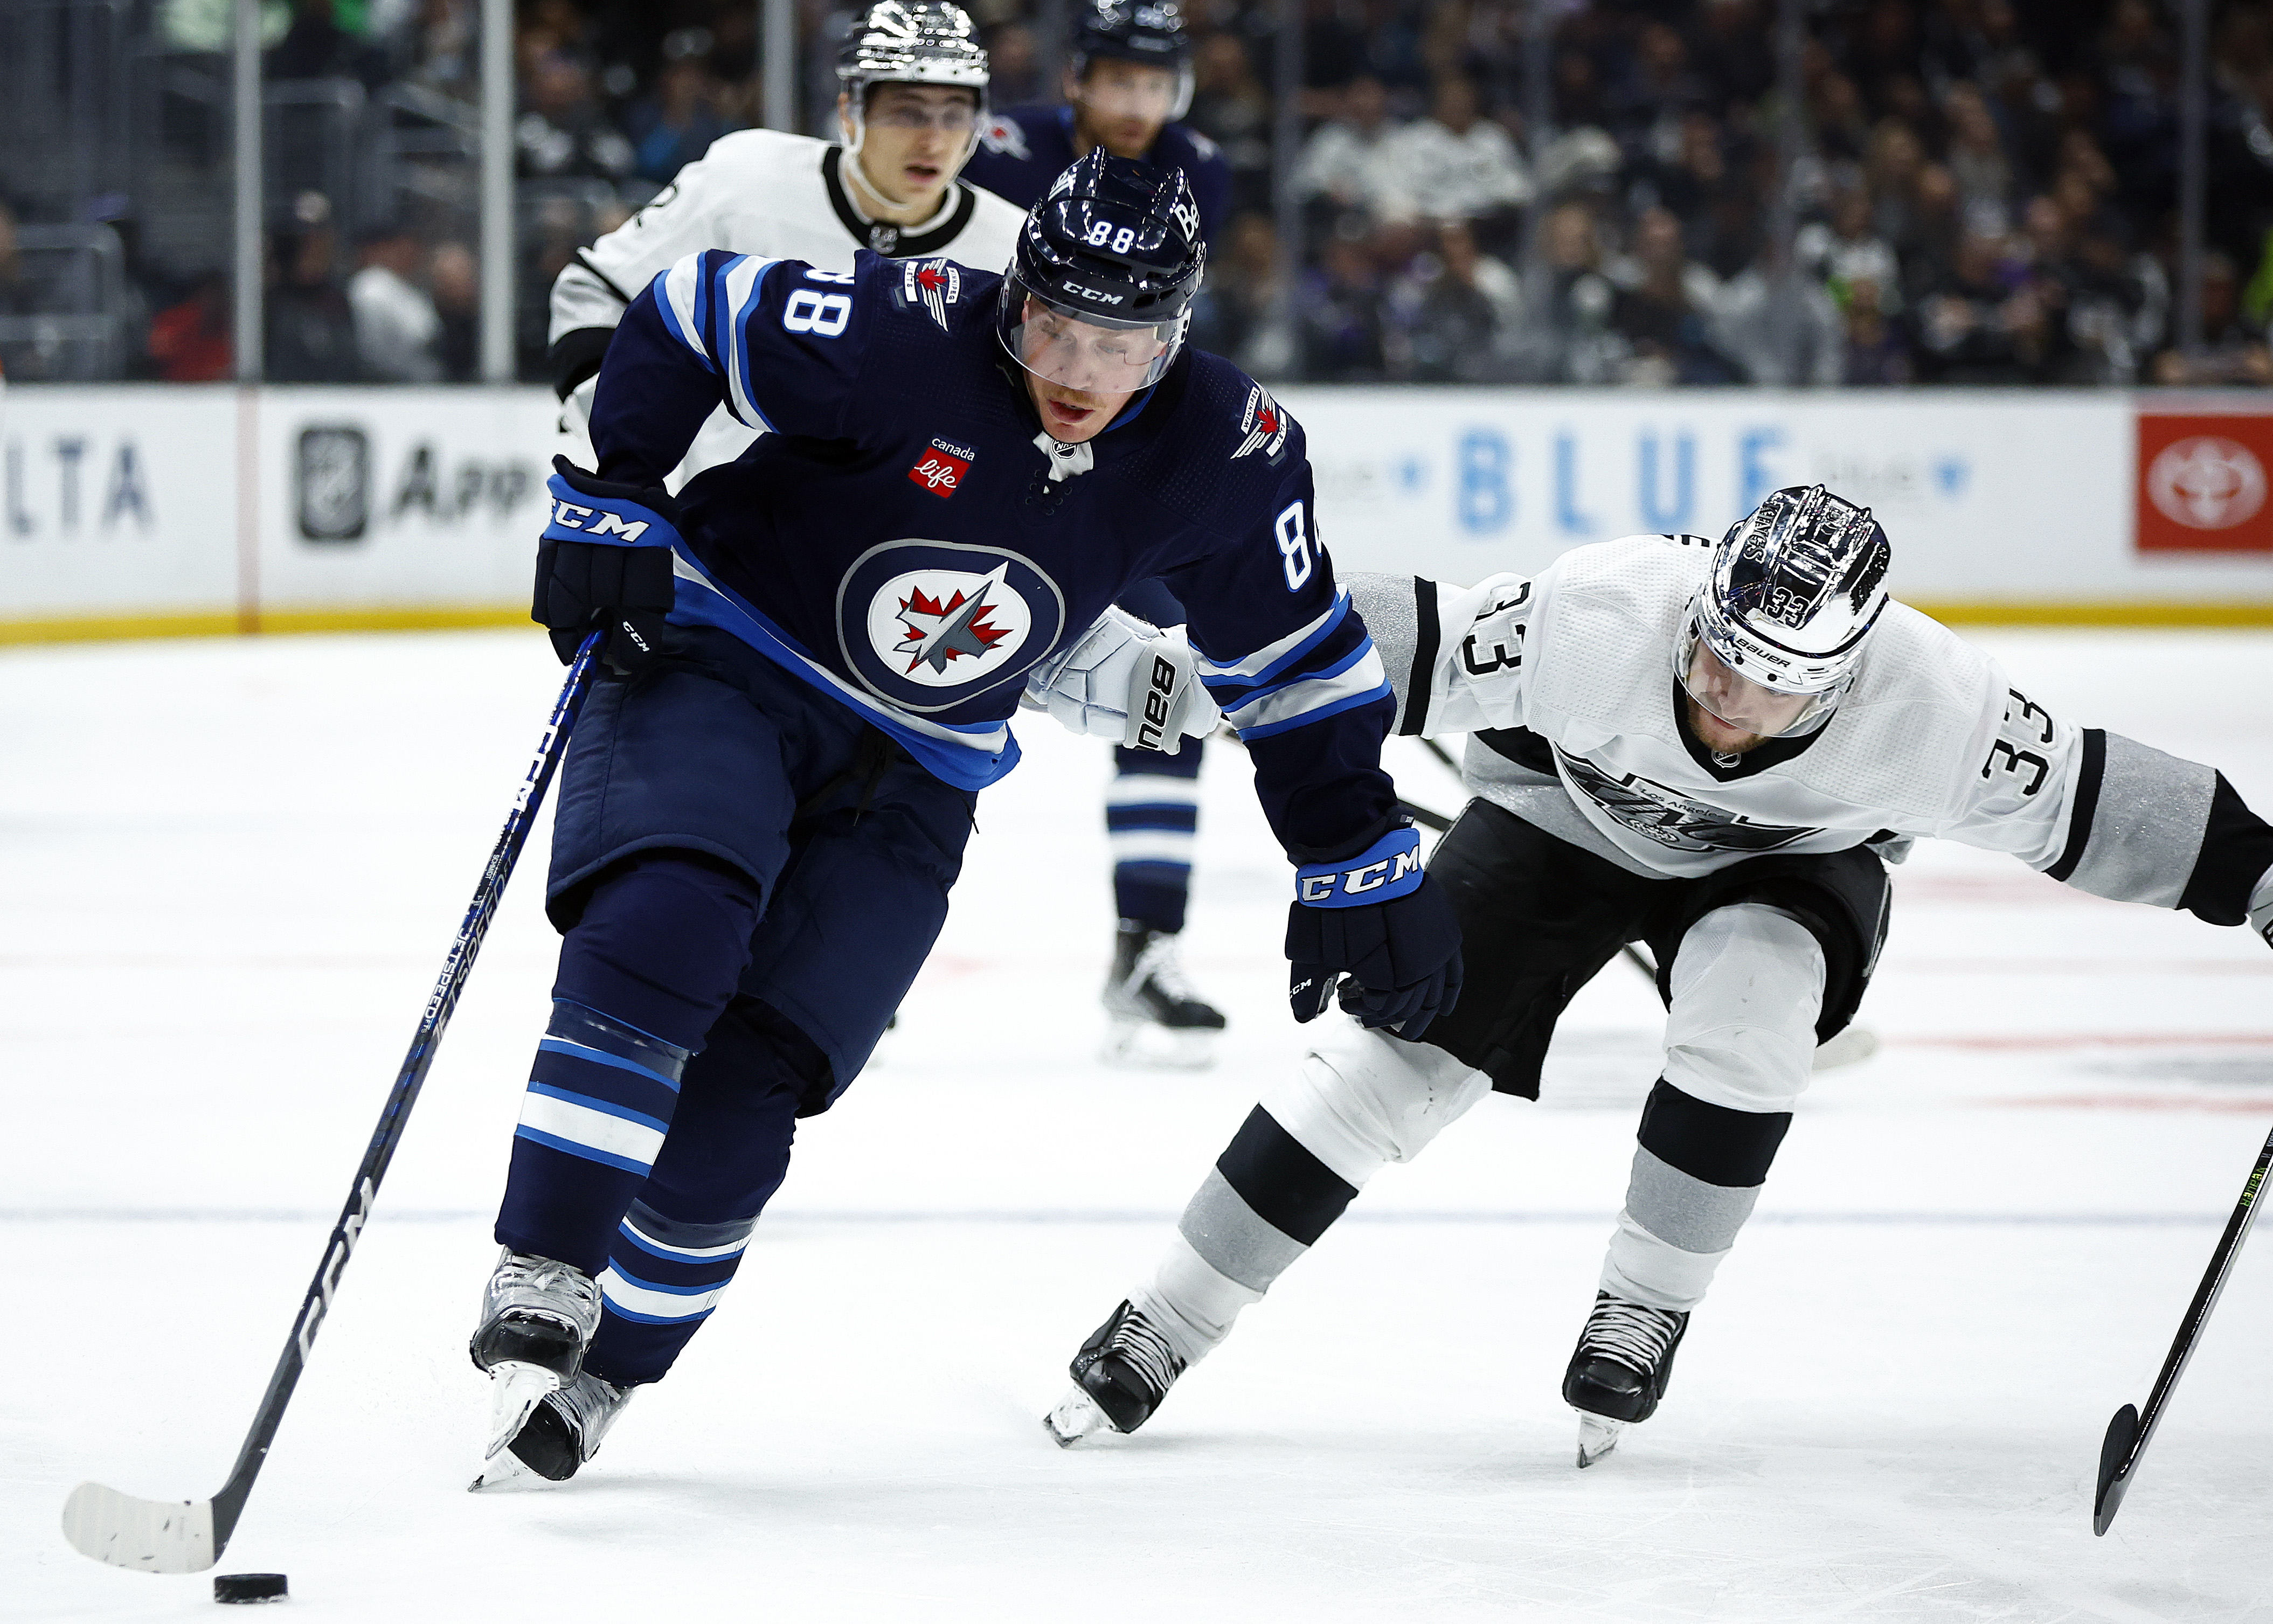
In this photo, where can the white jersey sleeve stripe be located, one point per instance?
(739, 283)
(1358, 680)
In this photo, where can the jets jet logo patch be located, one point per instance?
(940, 470)
(929, 625)
(1263, 426)
(933, 283)
(959, 625)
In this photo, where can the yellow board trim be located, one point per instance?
(228, 623)
(2132, 612)
(433, 618)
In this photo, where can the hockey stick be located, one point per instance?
(2129, 1432)
(179, 1536)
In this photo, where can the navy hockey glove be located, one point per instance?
(604, 559)
(1378, 920)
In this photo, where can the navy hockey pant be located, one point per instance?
(748, 877)
(1152, 812)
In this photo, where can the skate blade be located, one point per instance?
(1078, 1419)
(505, 1472)
(1142, 1046)
(1598, 1435)
(516, 1390)
(1850, 1047)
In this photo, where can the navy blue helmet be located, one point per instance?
(1151, 31)
(1113, 248)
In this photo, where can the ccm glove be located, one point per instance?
(1126, 680)
(605, 560)
(1377, 920)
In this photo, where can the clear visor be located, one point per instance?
(1739, 701)
(1075, 352)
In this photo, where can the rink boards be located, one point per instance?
(135, 510)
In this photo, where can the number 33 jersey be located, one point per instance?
(1566, 681)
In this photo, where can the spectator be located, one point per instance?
(1979, 326)
(561, 132)
(1779, 330)
(2232, 351)
(1237, 315)
(444, 47)
(1014, 66)
(1338, 309)
(1453, 165)
(1977, 162)
(675, 125)
(1229, 106)
(1877, 352)
(1451, 313)
(1664, 309)
(1566, 336)
(325, 42)
(396, 328)
(1340, 164)
(1657, 92)
(310, 329)
(1846, 250)
(189, 340)
(455, 278)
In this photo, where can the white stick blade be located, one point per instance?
(149, 1536)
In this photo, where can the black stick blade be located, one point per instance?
(2115, 1465)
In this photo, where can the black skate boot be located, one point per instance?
(537, 1316)
(565, 1428)
(1157, 1020)
(1623, 1361)
(1120, 1375)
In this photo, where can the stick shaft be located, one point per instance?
(2198, 1312)
(396, 1115)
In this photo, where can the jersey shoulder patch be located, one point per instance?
(932, 286)
(1004, 135)
(1262, 426)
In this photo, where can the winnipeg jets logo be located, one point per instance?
(933, 283)
(939, 634)
(1263, 426)
(941, 628)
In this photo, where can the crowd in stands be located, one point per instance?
(1986, 191)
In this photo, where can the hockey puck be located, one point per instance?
(249, 1587)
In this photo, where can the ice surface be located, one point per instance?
(228, 871)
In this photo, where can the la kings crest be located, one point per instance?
(1263, 426)
(929, 625)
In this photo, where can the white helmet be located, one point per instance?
(1796, 586)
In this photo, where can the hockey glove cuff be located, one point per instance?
(1376, 921)
(606, 559)
(1126, 680)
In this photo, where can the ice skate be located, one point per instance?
(561, 1431)
(1120, 1375)
(1157, 1020)
(1623, 1360)
(537, 1316)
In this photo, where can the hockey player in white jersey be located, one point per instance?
(1710, 748)
(912, 97)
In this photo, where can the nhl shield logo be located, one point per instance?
(931, 625)
(934, 284)
(1263, 426)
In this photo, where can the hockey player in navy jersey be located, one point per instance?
(1713, 747)
(820, 648)
(1130, 76)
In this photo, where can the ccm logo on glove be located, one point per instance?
(566, 516)
(1390, 867)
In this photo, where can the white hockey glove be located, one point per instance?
(1126, 680)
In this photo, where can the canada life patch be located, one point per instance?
(940, 469)
(933, 283)
(1263, 426)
